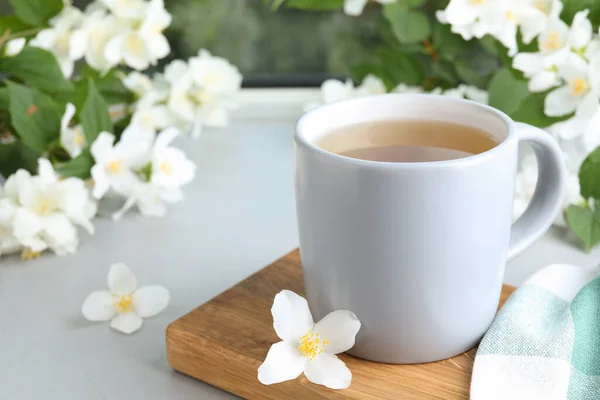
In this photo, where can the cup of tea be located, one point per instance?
(404, 206)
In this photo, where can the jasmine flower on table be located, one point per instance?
(143, 168)
(202, 91)
(125, 304)
(308, 347)
(41, 212)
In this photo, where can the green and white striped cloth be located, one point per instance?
(545, 342)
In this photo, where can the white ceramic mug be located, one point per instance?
(416, 250)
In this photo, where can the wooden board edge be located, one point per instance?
(220, 371)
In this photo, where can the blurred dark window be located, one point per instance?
(271, 48)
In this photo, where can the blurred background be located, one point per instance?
(283, 48)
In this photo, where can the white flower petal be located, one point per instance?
(176, 70)
(171, 195)
(78, 44)
(334, 90)
(475, 94)
(150, 300)
(15, 183)
(114, 49)
(98, 306)
(45, 39)
(573, 66)
(67, 116)
(542, 81)
(340, 328)
(459, 12)
(328, 370)
(102, 147)
(158, 45)
(165, 138)
(26, 223)
(127, 322)
(532, 22)
(556, 57)
(560, 102)
(14, 47)
(121, 280)
(519, 207)
(46, 172)
(291, 316)
(354, 7)
(66, 66)
(594, 73)
(581, 30)
(284, 362)
(528, 63)
(591, 137)
(125, 183)
(101, 181)
(372, 84)
(60, 232)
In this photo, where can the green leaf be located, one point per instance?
(4, 99)
(359, 72)
(94, 115)
(401, 68)
(408, 26)
(15, 156)
(589, 175)
(36, 12)
(110, 85)
(531, 111)
(448, 44)
(78, 167)
(507, 92)
(34, 115)
(494, 47)
(38, 68)
(585, 223)
(444, 71)
(316, 5)
(414, 3)
(571, 7)
(12, 23)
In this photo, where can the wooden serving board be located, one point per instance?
(224, 341)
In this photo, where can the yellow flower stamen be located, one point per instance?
(114, 166)
(125, 4)
(123, 303)
(166, 168)
(552, 42)
(311, 345)
(79, 139)
(28, 254)
(134, 44)
(43, 206)
(511, 15)
(477, 2)
(541, 5)
(578, 86)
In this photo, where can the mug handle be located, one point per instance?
(548, 195)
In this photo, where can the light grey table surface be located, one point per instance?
(238, 216)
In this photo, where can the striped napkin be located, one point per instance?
(545, 342)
